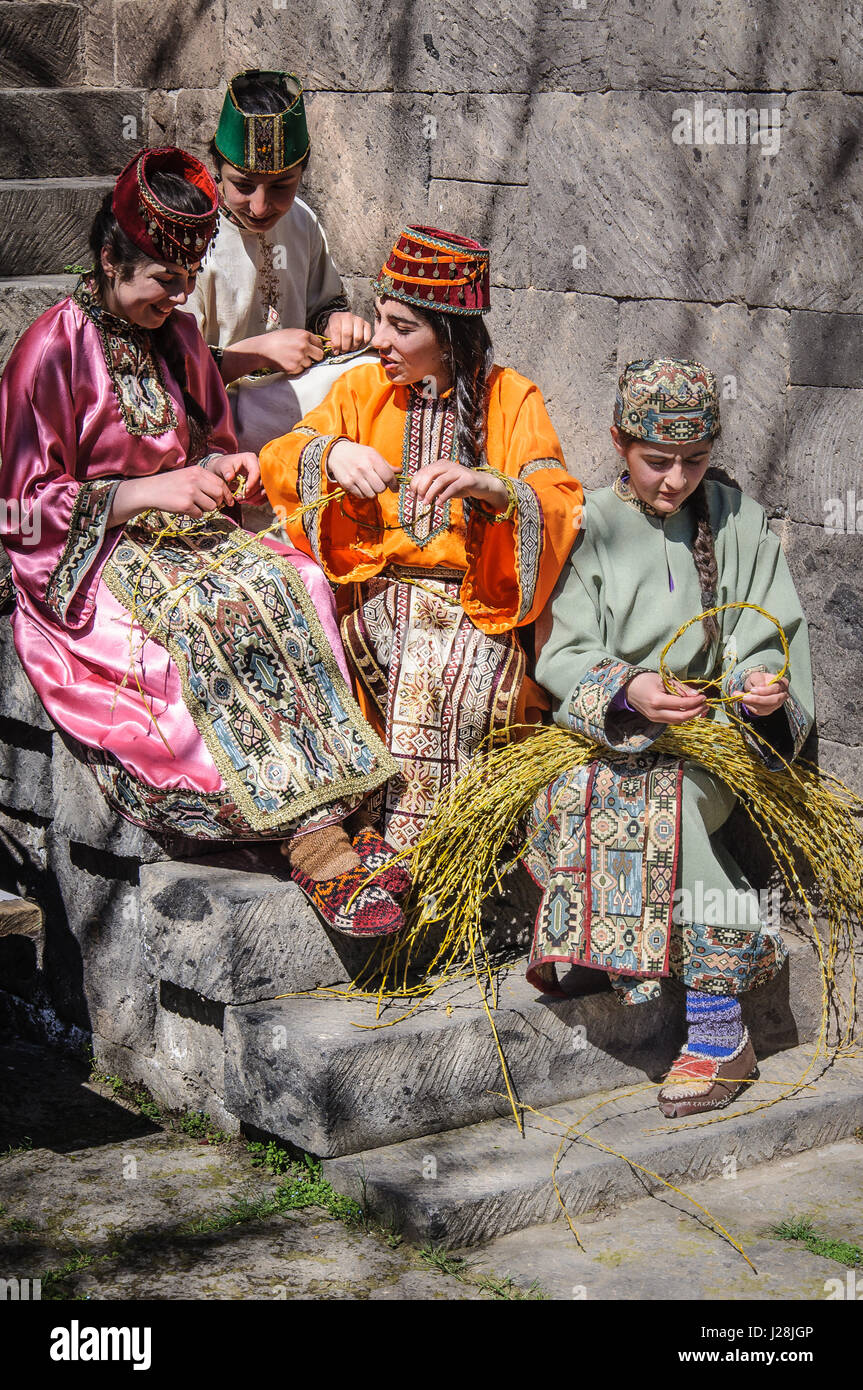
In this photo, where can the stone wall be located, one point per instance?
(549, 129)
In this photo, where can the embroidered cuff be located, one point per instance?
(777, 738)
(527, 522)
(87, 527)
(317, 322)
(593, 710)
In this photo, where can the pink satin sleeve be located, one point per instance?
(39, 446)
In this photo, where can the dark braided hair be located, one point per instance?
(106, 231)
(703, 550)
(466, 347)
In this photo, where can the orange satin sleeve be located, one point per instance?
(514, 565)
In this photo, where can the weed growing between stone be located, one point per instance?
(802, 1230)
(457, 1267)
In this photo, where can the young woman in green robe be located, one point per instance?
(635, 879)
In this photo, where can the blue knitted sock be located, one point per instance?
(714, 1024)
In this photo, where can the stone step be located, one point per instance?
(302, 1068)
(248, 933)
(98, 131)
(23, 300)
(470, 1185)
(44, 223)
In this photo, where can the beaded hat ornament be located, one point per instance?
(263, 144)
(162, 232)
(667, 401)
(437, 270)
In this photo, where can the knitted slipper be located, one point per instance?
(372, 913)
(375, 852)
(706, 1083)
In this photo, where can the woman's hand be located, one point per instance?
(361, 471)
(233, 466)
(347, 331)
(185, 492)
(440, 481)
(763, 694)
(288, 350)
(648, 695)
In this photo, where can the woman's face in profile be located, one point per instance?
(408, 347)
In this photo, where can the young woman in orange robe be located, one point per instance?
(458, 517)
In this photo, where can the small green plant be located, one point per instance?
(77, 269)
(802, 1229)
(302, 1185)
(54, 1280)
(198, 1125)
(22, 1148)
(506, 1289)
(439, 1258)
(270, 1156)
(22, 1224)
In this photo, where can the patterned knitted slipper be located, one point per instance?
(372, 913)
(706, 1083)
(374, 851)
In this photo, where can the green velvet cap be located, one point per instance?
(263, 144)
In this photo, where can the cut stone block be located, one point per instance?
(724, 44)
(21, 303)
(98, 42)
(470, 1185)
(373, 46)
(318, 1072)
(82, 813)
(803, 237)
(194, 1048)
(44, 223)
(478, 137)
(823, 464)
(99, 132)
(26, 782)
(493, 213)
(826, 571)
(566, 344)
(97, 968)
(826, 349)
(618, 208)
(160, 43)
(235, 936)
(170, 1087)
(39, 45)
(346, 190)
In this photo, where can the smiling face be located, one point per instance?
(259, 200)
(152, 291)
(409, 349)
(663, 475)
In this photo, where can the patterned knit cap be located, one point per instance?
(665, 400)
(437, 270)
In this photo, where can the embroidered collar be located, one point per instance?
(623, 489)
(133, 367)
(89, 303)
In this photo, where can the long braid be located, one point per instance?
(467, 347)
(166, 342)
(704, 554)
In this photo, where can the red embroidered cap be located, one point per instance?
(162, 232)
(437, 270)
